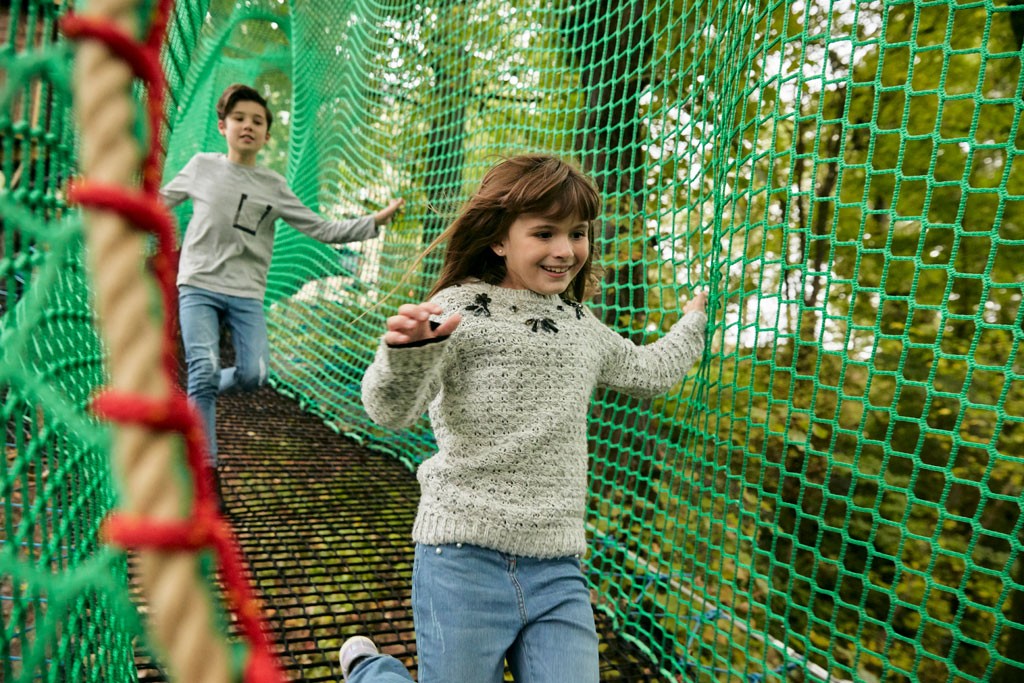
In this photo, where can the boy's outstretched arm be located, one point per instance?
(180, 187)
(384, 216)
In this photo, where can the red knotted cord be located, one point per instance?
(205, 529)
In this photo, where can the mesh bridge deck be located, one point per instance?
(325, 528)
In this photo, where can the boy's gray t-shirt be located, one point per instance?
(230, 239)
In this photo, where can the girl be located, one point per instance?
(506, 357)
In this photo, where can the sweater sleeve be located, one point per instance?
(652, 369)
(401, 382)
(307, 221)
(178, 189)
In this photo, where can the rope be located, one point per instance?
(171, 521)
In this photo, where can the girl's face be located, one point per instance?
(543, 254)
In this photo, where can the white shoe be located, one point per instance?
(354, 649)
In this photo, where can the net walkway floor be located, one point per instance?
(324, 525)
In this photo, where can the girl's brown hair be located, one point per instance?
(536, 184)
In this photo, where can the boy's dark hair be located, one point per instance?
(239, 92)
(528, 184)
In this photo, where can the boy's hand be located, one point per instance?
(412, 324)
(699, 302)
(384, 215)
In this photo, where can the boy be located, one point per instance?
(225, 256)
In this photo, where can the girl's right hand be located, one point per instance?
(412, 324)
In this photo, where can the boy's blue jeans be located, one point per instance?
(200, 314)
(475, 607)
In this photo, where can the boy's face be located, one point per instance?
(245, 129)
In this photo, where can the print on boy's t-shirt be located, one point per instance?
(249, 215)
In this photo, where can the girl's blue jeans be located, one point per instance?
(200, 313)
(379, 669)
(474, 608)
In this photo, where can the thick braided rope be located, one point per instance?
(168, 512)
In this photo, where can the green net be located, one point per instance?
(836, 491)
(59, 589)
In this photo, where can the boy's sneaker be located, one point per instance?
(353, 650)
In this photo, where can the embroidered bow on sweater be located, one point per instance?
(508, 394)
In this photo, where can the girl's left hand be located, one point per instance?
(699, 302)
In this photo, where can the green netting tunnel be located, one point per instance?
(834, 494)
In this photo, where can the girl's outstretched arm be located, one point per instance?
(405, 375)
(652, 369)
(699, 302)
(412, 324)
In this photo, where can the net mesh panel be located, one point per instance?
(63, 607)
(836, 489)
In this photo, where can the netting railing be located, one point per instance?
(835, 492)
(55, 485)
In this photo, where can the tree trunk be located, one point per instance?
(608, 144)
(813, 225)
(445, 158)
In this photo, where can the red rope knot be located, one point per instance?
(170, 414)
(144, 60)
(145, 212)
(173, 414)
(131, 532)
